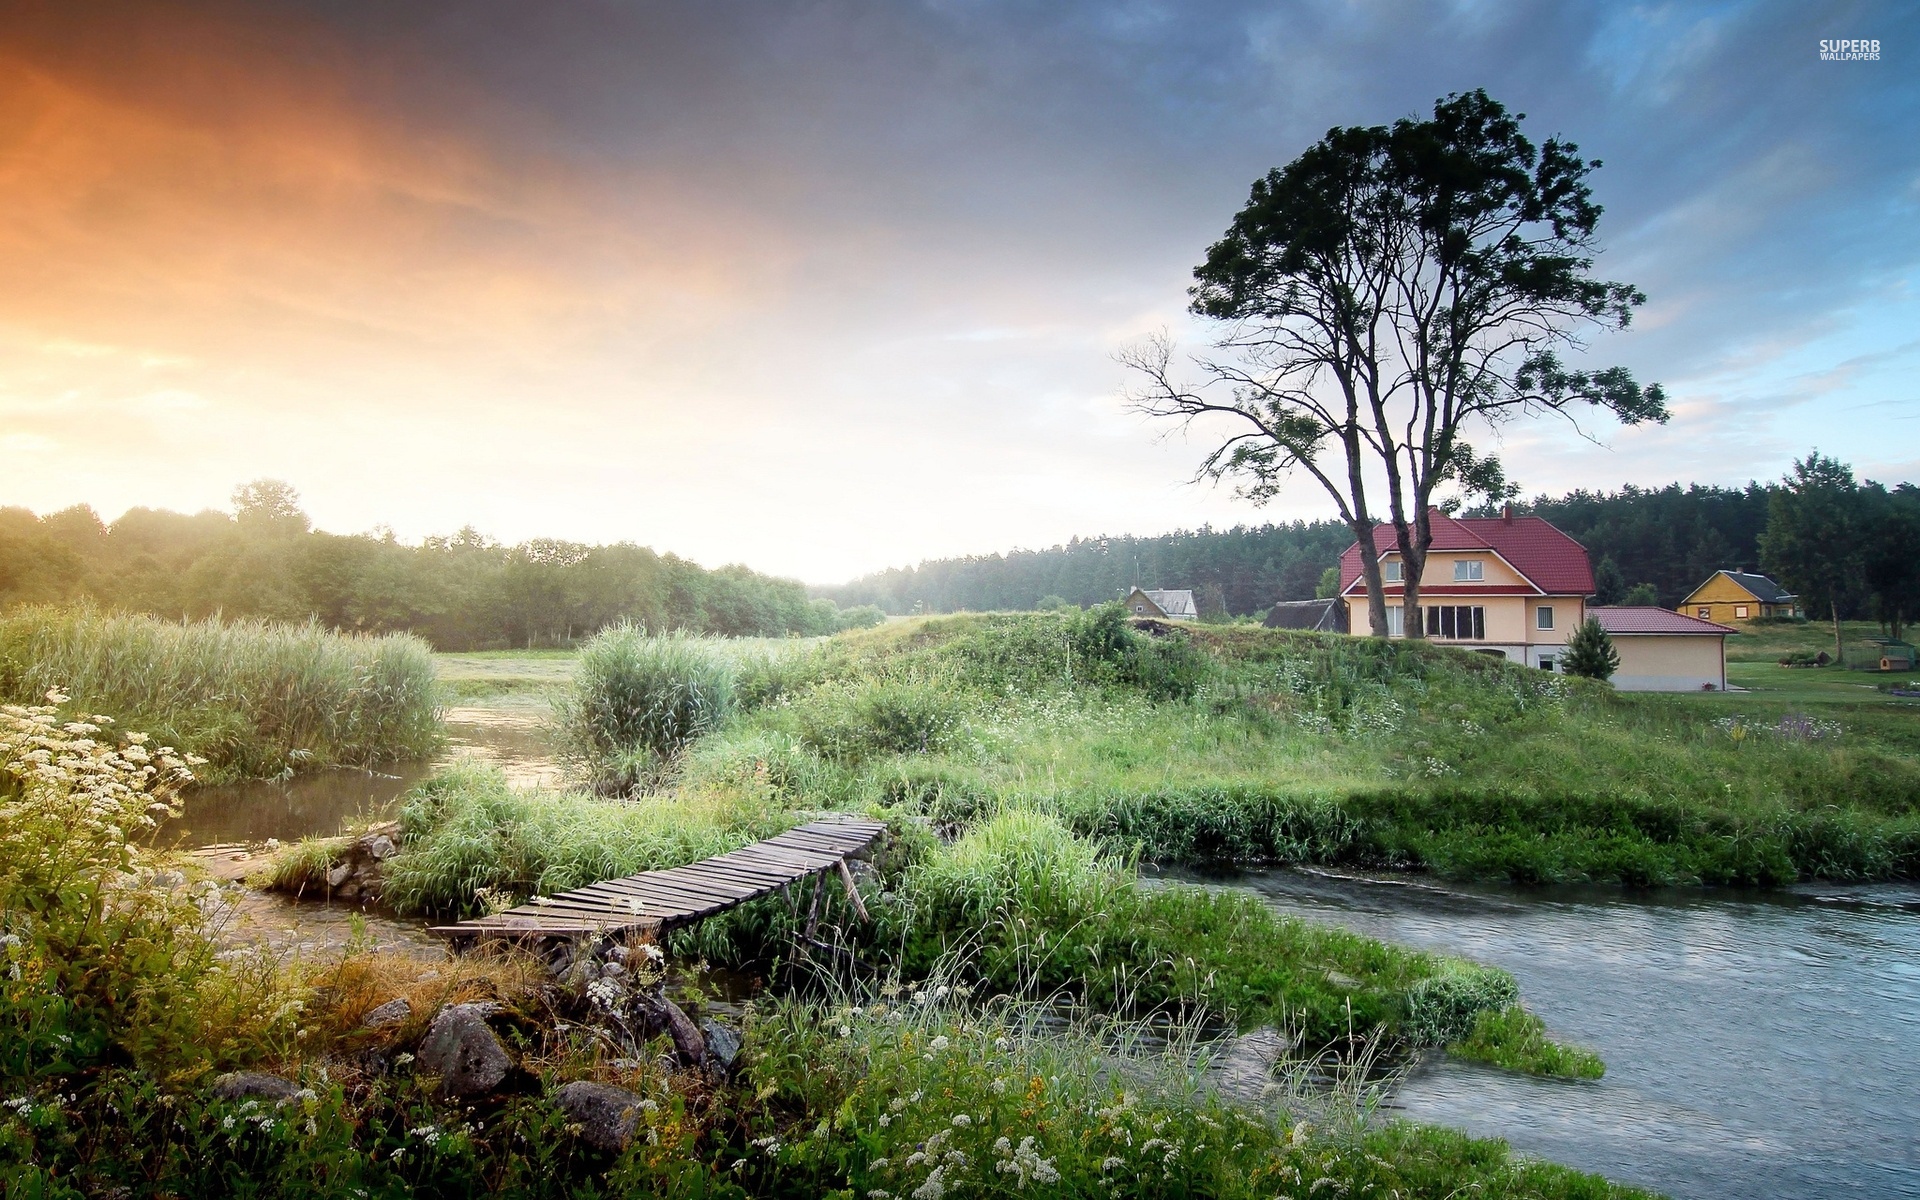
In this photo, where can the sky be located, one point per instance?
(828, 287)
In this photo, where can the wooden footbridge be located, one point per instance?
(656, 902)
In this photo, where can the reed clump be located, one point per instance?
(255, 699)
(637, 701)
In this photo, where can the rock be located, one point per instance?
(1245, 1071)
(339, 875)
(613, 970)
(465, 1054)
(723, 1045)
(393, 1012)
(380, 847)
(254, 1085)
(347, 891)
(664, 1015)
(605, 1114)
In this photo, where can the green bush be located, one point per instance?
(853, 721)
(1515, 1039)
(1444, 1007)
(637, 700)
(254, 699)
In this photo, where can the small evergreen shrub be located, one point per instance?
(1590, 652)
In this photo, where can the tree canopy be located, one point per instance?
(1390, 294)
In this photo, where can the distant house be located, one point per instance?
(1320, 616)
(1166, 605)
(1663, 651)
(1739, 596)
(1513, 587)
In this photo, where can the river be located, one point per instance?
(1758, 1044)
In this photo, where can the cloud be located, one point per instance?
(826, 287)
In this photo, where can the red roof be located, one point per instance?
(1556, 564)
(1630, 619)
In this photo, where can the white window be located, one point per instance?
(1462, 622)
(1706, 614)
(1396, 625)
(1390, 572)
(1139, 608)
(1740, 612)
(1469, 570)
(1543, 617)
(1546, 662)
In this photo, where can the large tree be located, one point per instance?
(1813, 538)
(1389, 294)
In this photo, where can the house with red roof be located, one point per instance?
(1509, 586)
(1516, 587)
(1665, 651)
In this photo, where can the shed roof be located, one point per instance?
(1321, 616)
(1174, 603)
(1630, 619)
(1555, 563)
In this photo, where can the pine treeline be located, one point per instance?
(1234, 571)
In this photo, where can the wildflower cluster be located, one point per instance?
(1792, 727)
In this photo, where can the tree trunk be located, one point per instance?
(1370, 574)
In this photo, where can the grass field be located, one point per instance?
(1767, 642)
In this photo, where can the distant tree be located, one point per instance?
(1329, 585)
(1812, 543)
(269, 505)
(1641, 594)
(1054, 604)
(1890, 554)
(1590, 652)
(1609, 582)
(1389, 294)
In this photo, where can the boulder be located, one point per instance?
(663, 1015)
(723, 1045)
(393, 1012)
(254, 1085)
(605, 1114)
(339, 875)
(465, 1054)
(380, 847)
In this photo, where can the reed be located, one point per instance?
(254, 698)
(637, 700)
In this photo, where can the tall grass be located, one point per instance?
(469, 840)
(637, 700)
(255, 699)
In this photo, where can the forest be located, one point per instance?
(1649, 546)
(461, 592)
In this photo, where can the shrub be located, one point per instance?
(1515, 1039)
(1590, 652)
(637, 700)
(254, 699)
(1444, 1007)
(852, 721)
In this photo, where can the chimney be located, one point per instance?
(1506, 513)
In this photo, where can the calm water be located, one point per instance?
(322, 802)
(1757, 1044)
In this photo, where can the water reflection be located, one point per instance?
(1757, 1044)
(322, 803)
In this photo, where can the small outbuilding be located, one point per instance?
(1320, 616)
(1739, 596)
(1167, 605)
(1662, 651)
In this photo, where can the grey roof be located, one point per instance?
(1320, 616)
(1176, 604)
(1764, 590)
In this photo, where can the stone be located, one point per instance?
(664, 1015)
(380, 847)
(606, 1115)
(339, 875)
(393, 1012)
(723, 1045)
(463, 1052)
(347, 891)
(613, 970)
(254, 1085)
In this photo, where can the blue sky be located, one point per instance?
(824, 288)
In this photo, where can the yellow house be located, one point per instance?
(1513, 587)
(1739, 596)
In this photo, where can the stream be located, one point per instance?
(1757, 1043)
